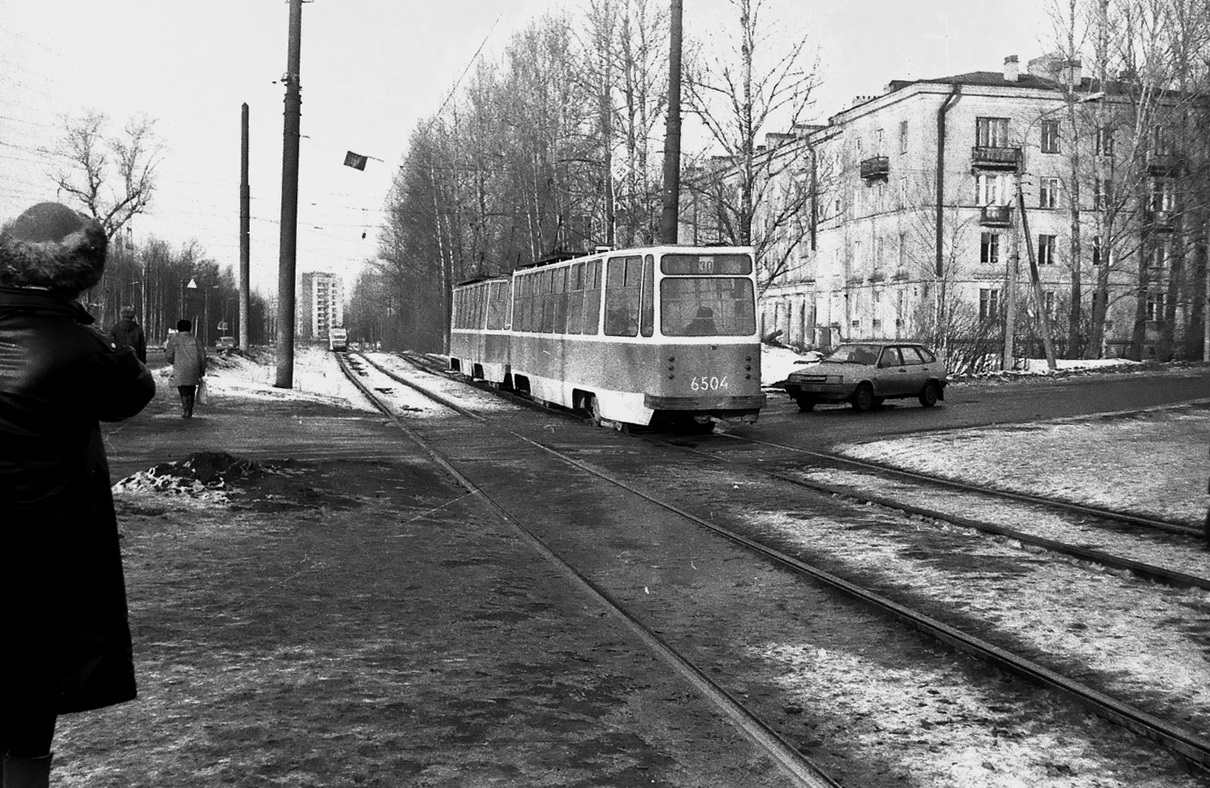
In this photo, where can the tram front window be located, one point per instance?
(713, 306)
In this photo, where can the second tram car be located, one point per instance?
(662, 335)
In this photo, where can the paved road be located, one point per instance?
(983, 403)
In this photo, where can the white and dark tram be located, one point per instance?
(660, 336)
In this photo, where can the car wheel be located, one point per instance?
(805, 403)
(928, 397)
(863, 398)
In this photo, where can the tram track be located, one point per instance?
(796, 765)
(1150, 572)
(1188, 743)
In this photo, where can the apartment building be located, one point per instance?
(320, 305)
(916, 227)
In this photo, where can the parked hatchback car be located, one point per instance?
(866, 373)
(225, 343)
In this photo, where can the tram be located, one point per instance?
(659, 336)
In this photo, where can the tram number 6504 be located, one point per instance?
(708, 383)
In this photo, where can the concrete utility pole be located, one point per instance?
(1035, 279)
(672, 137)
(245, 197)
(289, 205)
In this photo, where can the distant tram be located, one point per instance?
(660, 336)
(338, 339)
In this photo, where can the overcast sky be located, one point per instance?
(371, 70)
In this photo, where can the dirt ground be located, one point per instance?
(342, 615)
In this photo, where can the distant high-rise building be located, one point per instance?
(320, 304)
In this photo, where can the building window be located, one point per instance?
(1097, 257)
(991, 189)
(1163, 140)
(1104, 141)
(1048, 192)
(903, 136)
(1157, 253)
(1155, 307)
(1163, 194)
(1046, 250)
(989, 248)
(991, 132)
(1102, 194)
(1050, 136)
(1048, 299)
(902, 250)
(989, 303)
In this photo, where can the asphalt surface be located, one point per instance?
(515, 677)
(500, 670)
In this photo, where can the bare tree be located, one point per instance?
(737, 93)
(642, 76)
(112, 176)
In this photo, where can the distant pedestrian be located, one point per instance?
(64, 635)
(187, 355)
(128, 333)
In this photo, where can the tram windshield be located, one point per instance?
(707, 306)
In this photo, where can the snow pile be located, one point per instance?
(316, 378)
(777, 362)
(203, 476)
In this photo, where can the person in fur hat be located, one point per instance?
(128, 333)
(64, 633)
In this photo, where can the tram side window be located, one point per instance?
(497, 305)
(575, 299)
(521, 300)
(623, 286)
(534, 301)
(647, 318)
(560, 298)
(592, 297)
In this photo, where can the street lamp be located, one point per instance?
(1015, 257)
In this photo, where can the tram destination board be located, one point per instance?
(706, 264)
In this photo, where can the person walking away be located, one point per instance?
(65, 641)
(187, 355)
(128, 333)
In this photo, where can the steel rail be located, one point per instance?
(1145, 571)
(1054, 503)
(796, 765)
(1189, 744)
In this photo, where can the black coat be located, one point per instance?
(127, 333)
(64, 635)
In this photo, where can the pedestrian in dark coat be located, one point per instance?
(187, 355)
(64, 636)
(128, 333)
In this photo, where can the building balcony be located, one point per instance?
(986, 157)
(1158, 221)
(875, 168)
(996, 215)
(1163, 163)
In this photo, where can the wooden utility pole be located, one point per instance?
(245, 218)
(289, 204)
(672, 137)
